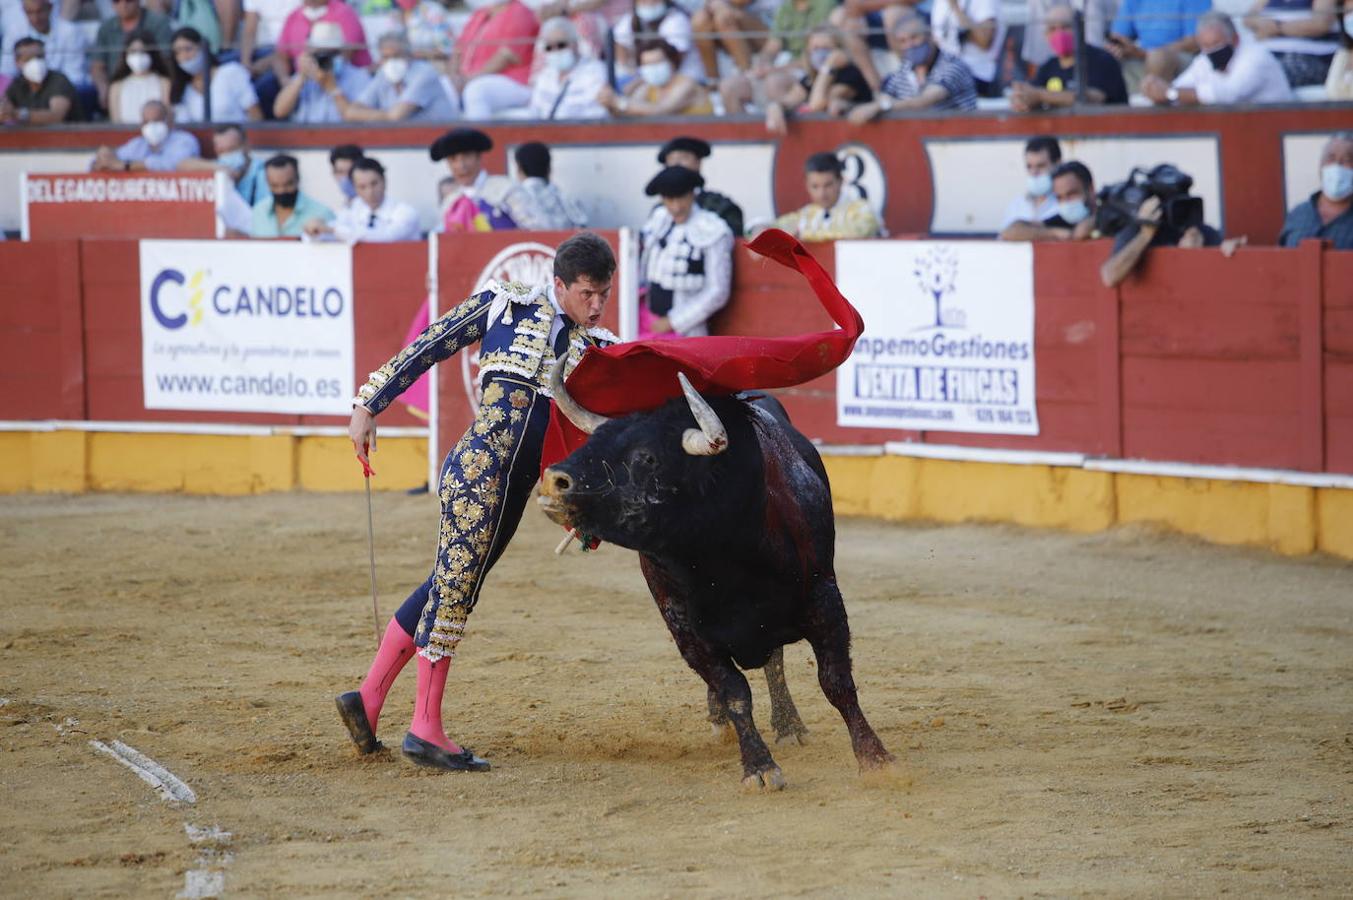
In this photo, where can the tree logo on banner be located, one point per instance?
(937, 275)
(529, 263)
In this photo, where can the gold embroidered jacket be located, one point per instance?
(512, 323)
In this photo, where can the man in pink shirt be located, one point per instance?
(291, 42)
(491, 64)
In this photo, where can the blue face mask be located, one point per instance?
(918, 55)
(818, 58)
(1336, 181)
(234, 160)
(1073, 212)
(345, 186)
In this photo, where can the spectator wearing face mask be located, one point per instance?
(1098, 14)
(1055, 83)
(233, 98)
(664, 20)
(403, 89)
(141, 76)
(158, 148)
(341, 160)
(285, 211)
(1227, 69)
(245, 171)
(373, 216)
(568, 85)
(830, 215)
(490, 69)
(1072, 218)
(1302, 34)
(660, 89)
(324, 73)
(129, 18)
(537, 205)
(63, 44)
(1042, 154)
(39, 96)
(929, 78)
(1328, 214)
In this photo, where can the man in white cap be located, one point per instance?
(324, 77)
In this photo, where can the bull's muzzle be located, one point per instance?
(555, 487)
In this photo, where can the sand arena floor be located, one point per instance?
(1124, 714)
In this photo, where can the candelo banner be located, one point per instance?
(948, 342)
(240, 326)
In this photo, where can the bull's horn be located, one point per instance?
(711, 437)
(585, 419)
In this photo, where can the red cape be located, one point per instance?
(642, 375)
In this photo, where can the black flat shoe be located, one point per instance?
(353, 713)
(423, 753)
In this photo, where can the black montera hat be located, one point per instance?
(674, 181)
(460, 140)
(689, 144)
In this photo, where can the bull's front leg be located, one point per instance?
(727, 686)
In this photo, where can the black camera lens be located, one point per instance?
(325, 60)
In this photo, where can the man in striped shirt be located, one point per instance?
(928, 78)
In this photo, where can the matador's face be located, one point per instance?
(584, 300)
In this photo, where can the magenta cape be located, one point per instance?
(639, 376)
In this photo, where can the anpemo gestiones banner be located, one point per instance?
(948, 341)
(238, 326)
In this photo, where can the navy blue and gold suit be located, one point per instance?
(487, 477)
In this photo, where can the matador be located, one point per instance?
(487, 477)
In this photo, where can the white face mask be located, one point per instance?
(656, 74)
(561, 60)
(1039, 185)
(139, 62)
(155, 133)
(1336, 181)
(650, 12)
(35, 70)
(481, 4)
(195, 63)
(395, 69)
(314, 13)
(1073, 212)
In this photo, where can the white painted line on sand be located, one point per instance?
(208, 879)
(169, 786)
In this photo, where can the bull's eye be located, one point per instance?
(643, 457)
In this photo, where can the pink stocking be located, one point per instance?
(396, 649)
(427, 711)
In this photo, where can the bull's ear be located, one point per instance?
(586, 420)
(711, 438)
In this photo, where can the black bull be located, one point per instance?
(729, 508)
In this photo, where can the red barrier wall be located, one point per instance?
(42, 368)
(1195, 358)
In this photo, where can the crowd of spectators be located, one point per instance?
(329, 61)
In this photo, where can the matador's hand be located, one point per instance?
(362, 431)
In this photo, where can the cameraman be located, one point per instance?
(323, 73)
(1150, 230)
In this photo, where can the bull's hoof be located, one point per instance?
(722, 733)
(765, 781)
